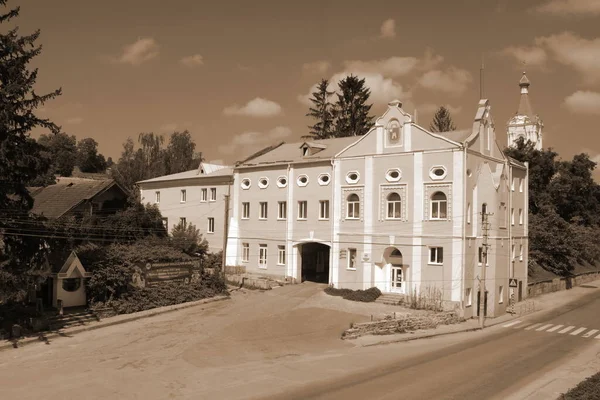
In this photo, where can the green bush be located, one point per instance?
(586, 390)
(365, 296)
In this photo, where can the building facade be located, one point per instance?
(399, 208)
(193, 197)
(525, 124)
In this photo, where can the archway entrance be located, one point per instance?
(314, 262)
(394, 271)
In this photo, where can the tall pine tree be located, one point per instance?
(442, 121)
(351, 110)
(322, 111)
(21, 161)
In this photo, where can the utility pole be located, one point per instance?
(225, 235)
(482, 303)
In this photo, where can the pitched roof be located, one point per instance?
(204, 170)
(291, 152)
(458, 136)
(55, 200)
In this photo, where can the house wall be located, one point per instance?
(194, 210)
(85, 208)
(69, 299)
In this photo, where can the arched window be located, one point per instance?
(439, 206)
(353, 209)
(394, 206)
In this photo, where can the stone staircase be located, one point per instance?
(72, 318)
(390, 299)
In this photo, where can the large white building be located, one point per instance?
(525, 123)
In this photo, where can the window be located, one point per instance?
(513, 251)
(439, 206)
(204, 194)
(394, 206)
(245, 252)
(183, 221)
(468, 297)
(502, 208)
(521, 185)
(512, 184)
(213, 194)
(280, 255)
(165, 222)
(520, 252)
(352, 177)
(351, 258)
(157, 198)
(263, 183)
(263, 210)
(512, 216)
(302, 180)
(302, 205)
(282, 181)
(323, 209)
(245, 210)
(183, 196)
(487, 262)
(71, 284)
(305, 151)
(246, 183)
(483, 210)
(520, 216)
(436, 255)
(353, 209)
(281, 210)
(393, 175)
(262, 256)
(438, 173)
(324, 179)
(501, 295)
(211, 225)
(469, 213)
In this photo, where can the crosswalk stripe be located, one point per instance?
(591, 333)
(511, 324)
(578, 331)
(532, 326)
(557, 327)
(543, 328)
(567, 329)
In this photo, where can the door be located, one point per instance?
(397, 279)
(520, 290)
(484, 303)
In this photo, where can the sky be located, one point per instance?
(237, 74)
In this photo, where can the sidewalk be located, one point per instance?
(118, 319)
(545, 302)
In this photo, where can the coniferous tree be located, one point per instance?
(442, 121)
(351, 110)
(322, 111)
(21, 159)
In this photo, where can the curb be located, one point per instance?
(125, 318)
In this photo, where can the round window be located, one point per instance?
(282, 181)
(439, 172)
(263, 183)
(71, 284)
(303, 179)
(353, 177)
(394, 174)
(245, 183)
(325, 178)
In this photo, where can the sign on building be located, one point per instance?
(149, 275)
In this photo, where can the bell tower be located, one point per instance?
(525, 123)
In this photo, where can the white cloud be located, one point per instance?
(192, 61)
(389, 67)
(596, 158)
(430, 108)
(250, 142)
(257, 107)
(388, 28)
(316, 67)
(581, 54)
(531, 56)
(565, 7)
(453, 80)
(74, 121)
(144, 49)
(583, 102)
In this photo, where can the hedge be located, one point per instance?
(365, 296)
(589, 389)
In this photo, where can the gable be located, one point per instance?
(73, 268)
(483, 138)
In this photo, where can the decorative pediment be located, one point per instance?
(73, 268)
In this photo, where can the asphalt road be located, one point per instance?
(497, 365)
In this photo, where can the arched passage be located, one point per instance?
(314, 262)
(395, 270)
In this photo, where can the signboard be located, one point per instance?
(149, 275)
(512, 282)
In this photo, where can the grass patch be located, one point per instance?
(589, 389)
(365, 296)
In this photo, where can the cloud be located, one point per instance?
(581, 54)
(250, 142)
(192, 61)
(316, 67)
(453, 80)
(170, 127)
(144, 49)
(583, 102)
(596, 158)
(430, 108)
(573, 7)
(257, 107)
(74, 120)
(388, 29)
(532, 56)
(389, 67)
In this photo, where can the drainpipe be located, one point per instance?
(464, 229)
(332, 220)
(289, 251)
(511, 260)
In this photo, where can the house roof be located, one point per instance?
(291, 152)
(458, 136)
(56, 200)
(204, 170)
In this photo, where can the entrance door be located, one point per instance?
(397, 279)
(520, 290)
(484, 303)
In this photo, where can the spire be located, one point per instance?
(524, 104)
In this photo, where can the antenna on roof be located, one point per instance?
(481, 79)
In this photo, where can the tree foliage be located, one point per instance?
(188, 239)
(322, 111)
(442, 121)
(21, 158)
(62, 150)
(351, 110)
(88, 158)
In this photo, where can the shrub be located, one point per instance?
(366, 296)
(430, 298)
(588, 389)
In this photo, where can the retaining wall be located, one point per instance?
(556, 284)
